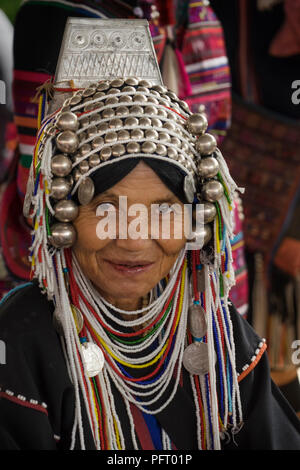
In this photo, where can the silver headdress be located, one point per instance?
(110, 104)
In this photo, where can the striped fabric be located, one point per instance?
(206, 63)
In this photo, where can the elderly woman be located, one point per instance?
(134, 345)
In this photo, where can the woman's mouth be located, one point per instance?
(130, 267)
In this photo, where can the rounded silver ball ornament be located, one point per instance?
(67, 142)
(60, 188)
(208, 167)
(148, 147)
(212, 191)
(61, 165)
(67, 122)
(62, 235)
(133, 147)
(66, 210)
(206, 144)
(197, 124)
(209, 212)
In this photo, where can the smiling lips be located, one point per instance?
(130, 267)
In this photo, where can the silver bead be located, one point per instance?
(161, 150)
(92, 131)
(122, 111)
(164, 137)
(184, 105)
(162, 112)
(145, 83)
(209, 212)
(60, 188)
(152, 99)
(176, 141)
(66, 210)
(148, 147)
(103, 127)
(131, 121)
(61, 165)
(84, 121)
(155, 93)
(156, 122)
(103, 86)
(212, 191)
(95, 119)
(129, 89)
(113, 91)
(170, 125)
(108, 113)
(196, 124)
(123, 134)
(160, 89)
(76, 99)
(136, 109)
(97, 142)
(85, 149)
(88, 92)
(125, 99)
(105, 153)
(206, 144)
(152, 110)
(67, 122)
(172, 153)
(172, 95)
(99, 95)
(137, 134)
(111, 100)
(89, 107)
(133, 147)
(208, 167)
(115, 123)
(83, 166)
(142, 89)
(117, 83)
(76, 175)
(67, 141)
(94, 160)
(145, 122)
(140, 98)
(131, 81)
(111, 137)
(62, 235)
(151, 134)
(118, 150)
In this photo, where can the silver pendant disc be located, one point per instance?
(195, 359)
(86, 191)
(93, 359)
(197, 321)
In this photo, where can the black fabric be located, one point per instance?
(110, 175)
(35, 369)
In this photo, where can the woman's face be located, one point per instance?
(125, 269)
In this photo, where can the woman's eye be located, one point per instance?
(105, 207)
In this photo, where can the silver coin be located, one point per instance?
(78, 318)
(93, 359)
(86, 191)
(195, 359)
(197, 321)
